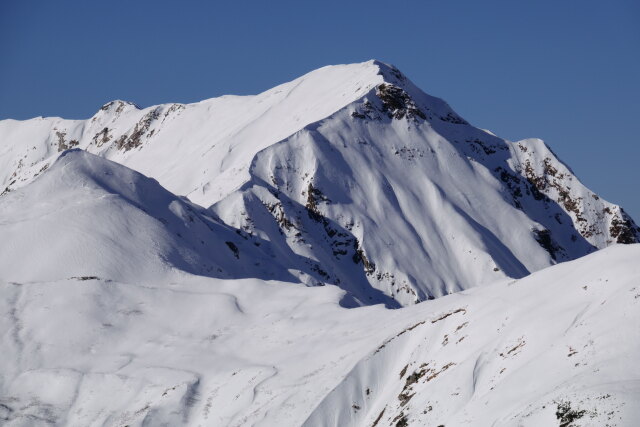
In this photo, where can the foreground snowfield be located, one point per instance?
(514, 353)
(271, 295)
(203, 351)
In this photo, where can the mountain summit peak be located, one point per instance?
(115, 108)
(389, 72)
(355, 157)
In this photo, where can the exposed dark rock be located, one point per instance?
(402, 421)
(377, 420)
(277, 211)
(320, 271)
(128, 142)
(452, 118)
(486, 147)
(234, 249)
(408, 153)
(313, 195)
(404, 398)
(101, 137)
(548, 167)
(119, 106)
(543, 237)
(445, 315)
(413, 378)
(567, 415)
(359, 256)
(397, 103)
(367, 111)
(538, 184)
(623, 229)
(62, 143)
(513, 183)
(404, 370)
(86, 278)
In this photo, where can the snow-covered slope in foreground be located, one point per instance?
(558, 345)
(356, 178)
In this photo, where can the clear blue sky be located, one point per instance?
(565, 71)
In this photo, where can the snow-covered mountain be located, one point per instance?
(355, 174)
(201, 265)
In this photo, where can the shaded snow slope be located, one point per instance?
(204, 351)
(90, 217)
(354, 176)
(87, 216)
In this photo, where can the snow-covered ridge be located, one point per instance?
(357, 176)
(396, 179)
(202, 150)
(221, 134)
(85, 205)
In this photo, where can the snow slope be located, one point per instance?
(90, 217)
(354, 175)
(201, 150)
(200, 351)
(263, 297)
(561, 343)
(429, 205)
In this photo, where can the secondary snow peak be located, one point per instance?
(117, 106)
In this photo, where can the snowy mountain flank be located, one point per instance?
(237, 261)
(358, 178)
